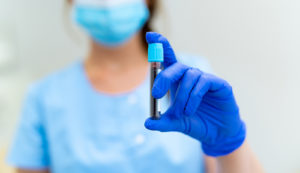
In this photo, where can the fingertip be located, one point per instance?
(150, 124)
(148, 36)
(160, 87)
(157, 93)
(152, 37)
(147, 123)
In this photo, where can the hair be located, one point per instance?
(152, 6)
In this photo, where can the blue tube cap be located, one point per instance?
(155, 52)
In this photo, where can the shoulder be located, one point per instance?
(195, 61)
(59, 81)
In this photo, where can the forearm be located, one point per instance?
(241, 160)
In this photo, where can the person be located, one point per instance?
(90, 116)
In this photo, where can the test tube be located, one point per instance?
(155, 58)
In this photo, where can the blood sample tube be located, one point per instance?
(155, 58)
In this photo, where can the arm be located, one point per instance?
(204, 108)
(210, 164)
(241, 160)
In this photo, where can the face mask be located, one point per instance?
(111, 22)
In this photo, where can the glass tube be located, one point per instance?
(154, 103)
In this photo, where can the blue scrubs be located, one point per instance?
(67, 126)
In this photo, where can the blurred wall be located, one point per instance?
(255, 45)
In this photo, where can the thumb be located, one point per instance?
(164, 124)
(169, 54)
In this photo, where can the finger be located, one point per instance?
(195, 128)
(169, 54)
(201, 88)
(164, 124)
(216, 83)
(186, 85)
(166, 78)
(220, 93)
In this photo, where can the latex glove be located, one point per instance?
(203, 105)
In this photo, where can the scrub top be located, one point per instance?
(67, 126)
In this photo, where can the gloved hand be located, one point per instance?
(202, 105)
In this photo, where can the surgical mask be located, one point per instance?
(111, 22)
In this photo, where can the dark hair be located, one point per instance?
(152, 6)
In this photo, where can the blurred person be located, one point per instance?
(90, 116)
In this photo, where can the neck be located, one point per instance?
(124, 56)
(118, 69)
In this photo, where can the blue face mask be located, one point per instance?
(111, 22)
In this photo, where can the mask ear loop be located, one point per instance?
(69, 27)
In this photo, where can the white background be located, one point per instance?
(255, 45)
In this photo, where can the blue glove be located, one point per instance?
(202, 105)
